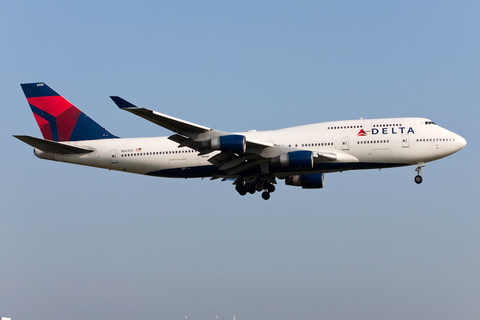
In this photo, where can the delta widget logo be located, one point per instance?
(361, 133)
(376, 131)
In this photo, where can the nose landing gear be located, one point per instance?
(418, 178)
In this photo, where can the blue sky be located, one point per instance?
(78, 242)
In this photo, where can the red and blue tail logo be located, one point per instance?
(58, 119)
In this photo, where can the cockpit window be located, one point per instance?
(429, 122)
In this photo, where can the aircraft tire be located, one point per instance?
(270, 188)
(418, 179)
(250, 187)
(241, 189)
(265, 195)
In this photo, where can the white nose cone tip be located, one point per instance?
(461, 142)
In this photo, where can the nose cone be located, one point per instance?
(461, 142)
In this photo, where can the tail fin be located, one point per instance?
(58, 119)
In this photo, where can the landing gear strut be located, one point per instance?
(418, 178)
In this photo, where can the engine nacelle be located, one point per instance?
(306, 181)
(296, 159)
(233, 143)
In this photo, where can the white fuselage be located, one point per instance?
(362, 144)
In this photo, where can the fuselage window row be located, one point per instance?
(155, 153)
(386, 125)
(344, 127)
(373, 141)
(359, 127)
(435, 140)
(316, 144)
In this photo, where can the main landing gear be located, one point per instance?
(418, 178)
(258, 185)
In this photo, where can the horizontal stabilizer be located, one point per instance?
(51, 146)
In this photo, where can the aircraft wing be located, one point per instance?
(168, 122)
(184, 129)
(198, 137)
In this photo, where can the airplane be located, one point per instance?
(253, 160)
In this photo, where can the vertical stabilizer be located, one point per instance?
(58, 119)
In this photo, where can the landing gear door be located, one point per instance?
(345, 145)
(114, 156)
(405, 142)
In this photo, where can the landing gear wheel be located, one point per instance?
(271, 188)
(418, 179)
(259, 186)
(250, 187)
(241, 189)
(265, 195)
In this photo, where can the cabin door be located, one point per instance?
(345, 145)
(114, 156)
(405, 142)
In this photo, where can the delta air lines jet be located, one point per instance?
(254, 160)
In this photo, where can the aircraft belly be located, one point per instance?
(188, 172)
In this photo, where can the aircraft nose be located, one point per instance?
(461, 142)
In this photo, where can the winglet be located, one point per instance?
(122, 103)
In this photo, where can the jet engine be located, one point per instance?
(306, 181)
(296, 159)
(233, 143)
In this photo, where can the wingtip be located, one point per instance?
(122, 103)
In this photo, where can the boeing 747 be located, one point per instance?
(254, 160)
